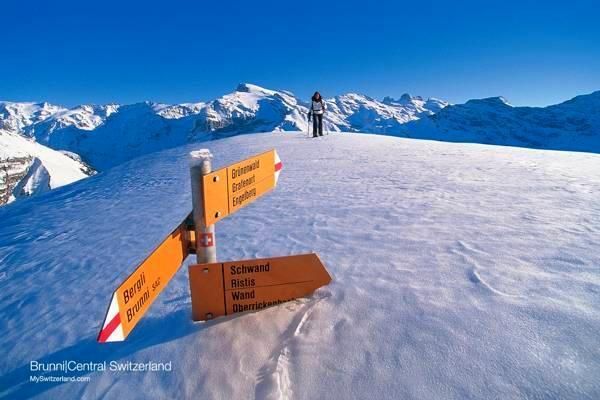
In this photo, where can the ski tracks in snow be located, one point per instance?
(273, 381)
(467, 253)
(475, 277)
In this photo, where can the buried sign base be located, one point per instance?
(250, 285)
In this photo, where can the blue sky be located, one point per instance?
(533, 53)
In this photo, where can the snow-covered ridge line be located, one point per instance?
(104, 136)
(28, 168)
(22, 117)
(573, 125)
(107, 135)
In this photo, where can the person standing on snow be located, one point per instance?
(317, 109)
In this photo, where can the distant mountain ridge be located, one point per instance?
(102, 136)
(573, 125)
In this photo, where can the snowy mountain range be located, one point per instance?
(107, 135)
(573, 125)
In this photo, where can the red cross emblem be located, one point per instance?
(206, 240)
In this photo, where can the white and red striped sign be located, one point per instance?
(278, 167)
(112, 330)
(134, 296)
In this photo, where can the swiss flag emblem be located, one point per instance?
(206, 240)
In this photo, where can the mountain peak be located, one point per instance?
(356, 96)
(405, 98)
(251, 88)
(492, 101)
(590, 102)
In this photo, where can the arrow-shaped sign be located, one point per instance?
(251, 285)
(134, 296)
(228, 189)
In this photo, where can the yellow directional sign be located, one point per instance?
(228, 189)
(134, 296)
(251, 285)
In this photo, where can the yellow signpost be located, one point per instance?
(134, 296)
(228, 189)
(251, 285)
(216, 288)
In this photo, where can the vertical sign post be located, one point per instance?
(206, 244)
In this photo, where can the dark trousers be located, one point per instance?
(317, 124)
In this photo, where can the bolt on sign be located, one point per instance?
(134, 296)
(251, 285)
(228, 189)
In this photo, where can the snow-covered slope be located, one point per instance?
(125, 133)
(177, 111)
(416, 105)
(450, 280)
(357, 113)
(84, 117)
(15, 117)
(572, 125)
(252, 108)
(28, 168)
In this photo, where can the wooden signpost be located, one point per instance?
(216, 288)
